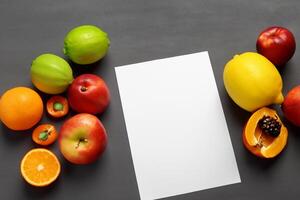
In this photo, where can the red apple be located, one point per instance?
(88, 93)
(291, 106)
(82, 139)
(277, 44)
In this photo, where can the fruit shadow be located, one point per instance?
(39, 192)
(58, 121)
(72, 171)
(13, 138)
(104, 116)
(262, 164)
(294, 133)
(94, 68)
(237, 115)
(87, 173)
(285, 68)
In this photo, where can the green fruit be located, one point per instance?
(51, 74)
(86, 44)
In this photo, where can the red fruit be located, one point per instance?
(277, 44)
(82, 139)
(88, 94)
(291, 106)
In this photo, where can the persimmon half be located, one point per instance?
(44, 134)
(57, 106)
(264, 134)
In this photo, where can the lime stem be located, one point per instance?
(81, 140)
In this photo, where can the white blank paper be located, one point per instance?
(176, 127)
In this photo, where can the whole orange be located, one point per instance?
(20, 108)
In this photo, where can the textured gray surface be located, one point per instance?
(142, 30)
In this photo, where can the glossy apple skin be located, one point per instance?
(291, 106)
(277, 44)
(88, 93)
(82, 139)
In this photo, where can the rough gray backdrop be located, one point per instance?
(142, 30)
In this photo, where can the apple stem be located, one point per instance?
(80, 141)
(83, 89)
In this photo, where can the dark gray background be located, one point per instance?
(142, 30)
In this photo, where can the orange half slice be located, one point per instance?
(40, 167)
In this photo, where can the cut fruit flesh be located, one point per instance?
(260, 143)
(40, 167)
(277, 145)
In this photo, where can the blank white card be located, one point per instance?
(176, 127)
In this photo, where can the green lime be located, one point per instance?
(51, 74)
(86, 44)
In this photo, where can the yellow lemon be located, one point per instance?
(252, 81)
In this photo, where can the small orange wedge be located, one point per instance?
(40, 167)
